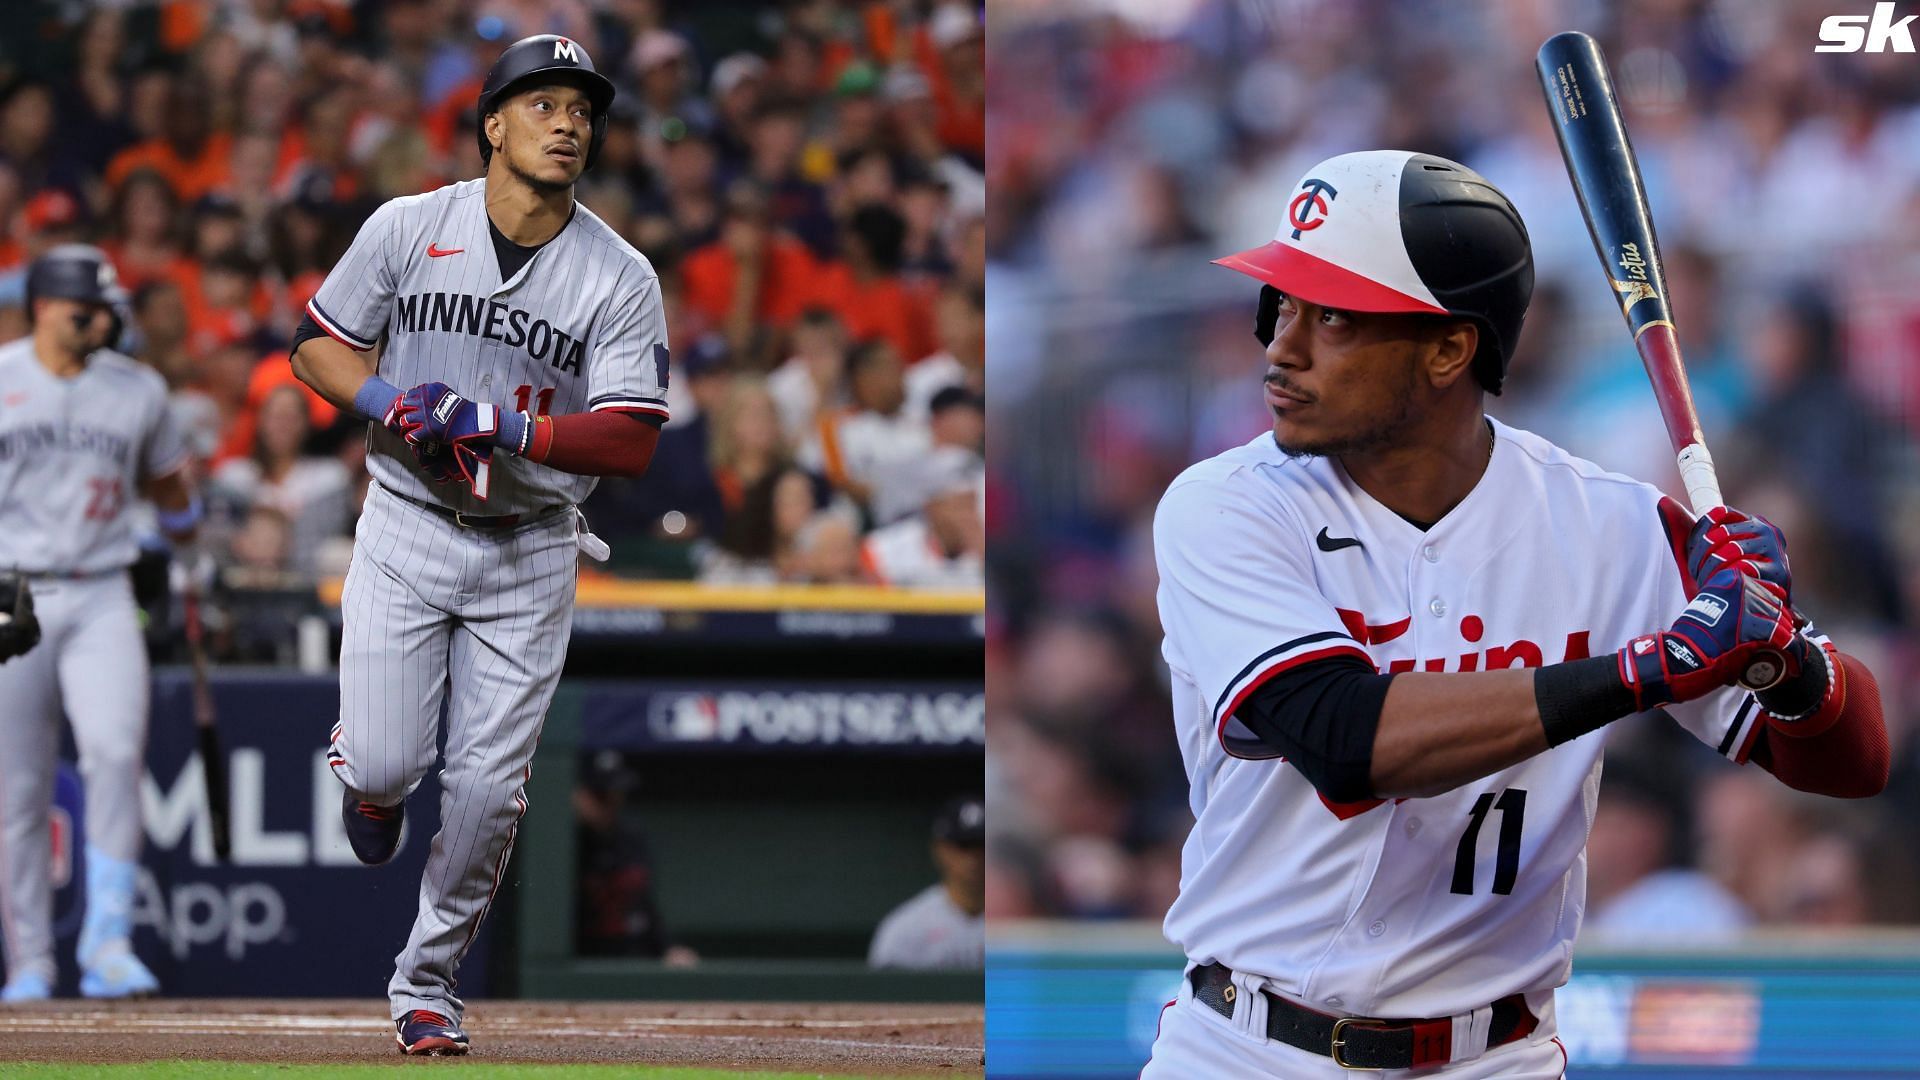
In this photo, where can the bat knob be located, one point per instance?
(1764, 671)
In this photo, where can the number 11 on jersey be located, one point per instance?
(523, 396)
(1512, 804)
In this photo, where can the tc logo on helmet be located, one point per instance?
(1304, 205)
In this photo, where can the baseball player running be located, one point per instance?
(1396, 629)
(530, 340)
(84, 432)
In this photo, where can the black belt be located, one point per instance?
(1356, 1043)
(477, 521)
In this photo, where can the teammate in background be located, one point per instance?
(533, 344)
(1396, 629)
(944, 925)
(84, 432)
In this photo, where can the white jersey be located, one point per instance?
(74, 453)
(578, 328)
(1410, 907)
(929, 932)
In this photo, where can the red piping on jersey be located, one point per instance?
(1356, 624)
(323, 323)
(1345, 810)
(1678, 523)
(1220, 728)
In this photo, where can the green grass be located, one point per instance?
(468, 1070)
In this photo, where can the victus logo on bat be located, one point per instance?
(1867, 33)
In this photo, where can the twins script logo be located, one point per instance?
(1521, 653)
(1308, 203)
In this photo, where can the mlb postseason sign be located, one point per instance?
(918, 717)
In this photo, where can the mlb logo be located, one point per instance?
(1642, 646)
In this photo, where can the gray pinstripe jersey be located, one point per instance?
(73, 453)
(578, 328)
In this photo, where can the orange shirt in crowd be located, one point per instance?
(135, 276)
(885, 307)
(270, 374)
(190, 178)
(786, 285)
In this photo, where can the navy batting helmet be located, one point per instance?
(545, 58)
(1392, 230)
(78, 272)
(74, 272)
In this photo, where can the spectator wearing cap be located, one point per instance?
(957, 419)
(954, 60)
(926, 204)
(755, 278)
(858, 108)
(944, 545)
(944, 925)
(960, 323)
(189, 155)
(685, 195)
(52, 218)
(865, 288)
(855, 447)
(777, 141)
(618, 912)
(738, 86)
(661, 63)
(813, 380)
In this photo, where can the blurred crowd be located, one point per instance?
(806, 176)
(1140, 141)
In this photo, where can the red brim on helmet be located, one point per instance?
(1318, 281)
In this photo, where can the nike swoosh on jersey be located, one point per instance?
(434, 251)
(1334, 543)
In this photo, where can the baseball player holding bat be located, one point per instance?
(84, 431)
(1397, 629)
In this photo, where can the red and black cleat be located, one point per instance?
(374, 831)
(429, 1034)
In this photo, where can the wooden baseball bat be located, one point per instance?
(1606, 177)
(213, 757)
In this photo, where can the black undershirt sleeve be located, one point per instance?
(1323, 716)
(306, 331)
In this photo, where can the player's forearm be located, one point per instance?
(333, 370)
(1439, 731)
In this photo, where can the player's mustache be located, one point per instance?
(1277, 379)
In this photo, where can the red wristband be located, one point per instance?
(542, 439)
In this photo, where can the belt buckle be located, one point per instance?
(460, 519)
(1339, 1044)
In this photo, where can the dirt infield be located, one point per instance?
(885, 1040)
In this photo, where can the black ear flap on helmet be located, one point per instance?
(1268, 315)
